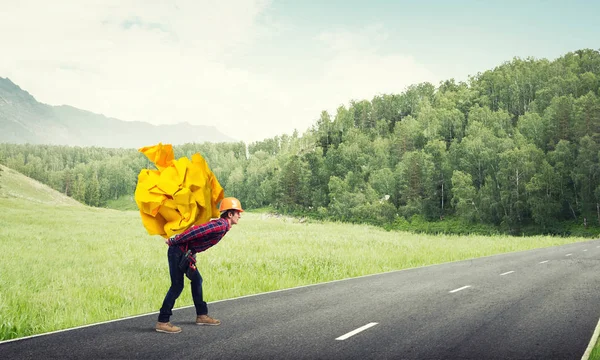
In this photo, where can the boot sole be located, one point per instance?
(205, 324)
(167, 332)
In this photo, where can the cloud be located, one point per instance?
(357, 67)
(181, 61)
(362, 65)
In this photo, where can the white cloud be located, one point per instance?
(358, 68)
(168, 62)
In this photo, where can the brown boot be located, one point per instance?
(206, 320)
(167, 328)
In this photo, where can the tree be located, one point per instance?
(363, 114)
(478, 153)
(408, 136)
(413, 175)
(342, 124)
(465, 198)
(325, 132)
(413, 97)
(535, 129)
(92, 190)
(259, 179)
(440, 178)
(587, 117)
(586, 174)
(293, 184)
(339, 198)
(588, 83)
(234, 185)
(562, 159)
(80, 188)
(517, 167)
(559, 117)
(544, 195)
(382, 181)
(387, 109)
(499, 122)
(318, 179)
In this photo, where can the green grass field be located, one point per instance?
(63, 264)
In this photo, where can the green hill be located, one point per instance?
(15, 186)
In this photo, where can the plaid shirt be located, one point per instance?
(199, 238)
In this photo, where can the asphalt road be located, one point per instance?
(539, 304)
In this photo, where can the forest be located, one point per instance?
(513, 150)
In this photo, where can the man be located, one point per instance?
(196, 239)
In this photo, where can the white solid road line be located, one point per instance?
(568, 254)
(506, 273)
(459, 289)
(543, 262)
(354, 332)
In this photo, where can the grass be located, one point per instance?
(595, 354)
(63, 264)
(122, 203)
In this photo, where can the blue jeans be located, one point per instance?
(174, 255)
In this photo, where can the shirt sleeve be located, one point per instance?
(198, 231)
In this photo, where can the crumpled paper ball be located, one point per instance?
(181, 193)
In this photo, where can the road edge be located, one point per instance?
(592, 344)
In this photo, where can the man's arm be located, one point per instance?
(198, 231)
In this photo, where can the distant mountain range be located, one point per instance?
(25, 120)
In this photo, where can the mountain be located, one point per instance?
(25, 120)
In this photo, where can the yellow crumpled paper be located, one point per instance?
(181, 193)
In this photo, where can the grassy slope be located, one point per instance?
(63, 264)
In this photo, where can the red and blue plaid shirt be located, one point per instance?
(199, 238)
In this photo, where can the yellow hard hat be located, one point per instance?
(230, 203)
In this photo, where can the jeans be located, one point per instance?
(174, 255)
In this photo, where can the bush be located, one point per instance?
(448, 225)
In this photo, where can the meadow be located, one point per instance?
(63, 264)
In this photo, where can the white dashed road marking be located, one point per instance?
(568, 254)
(543, 262)
(506, 273)
(459, 289)
(354, 332)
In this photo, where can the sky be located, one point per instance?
(255, 69)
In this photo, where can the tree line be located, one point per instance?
(513, 147)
